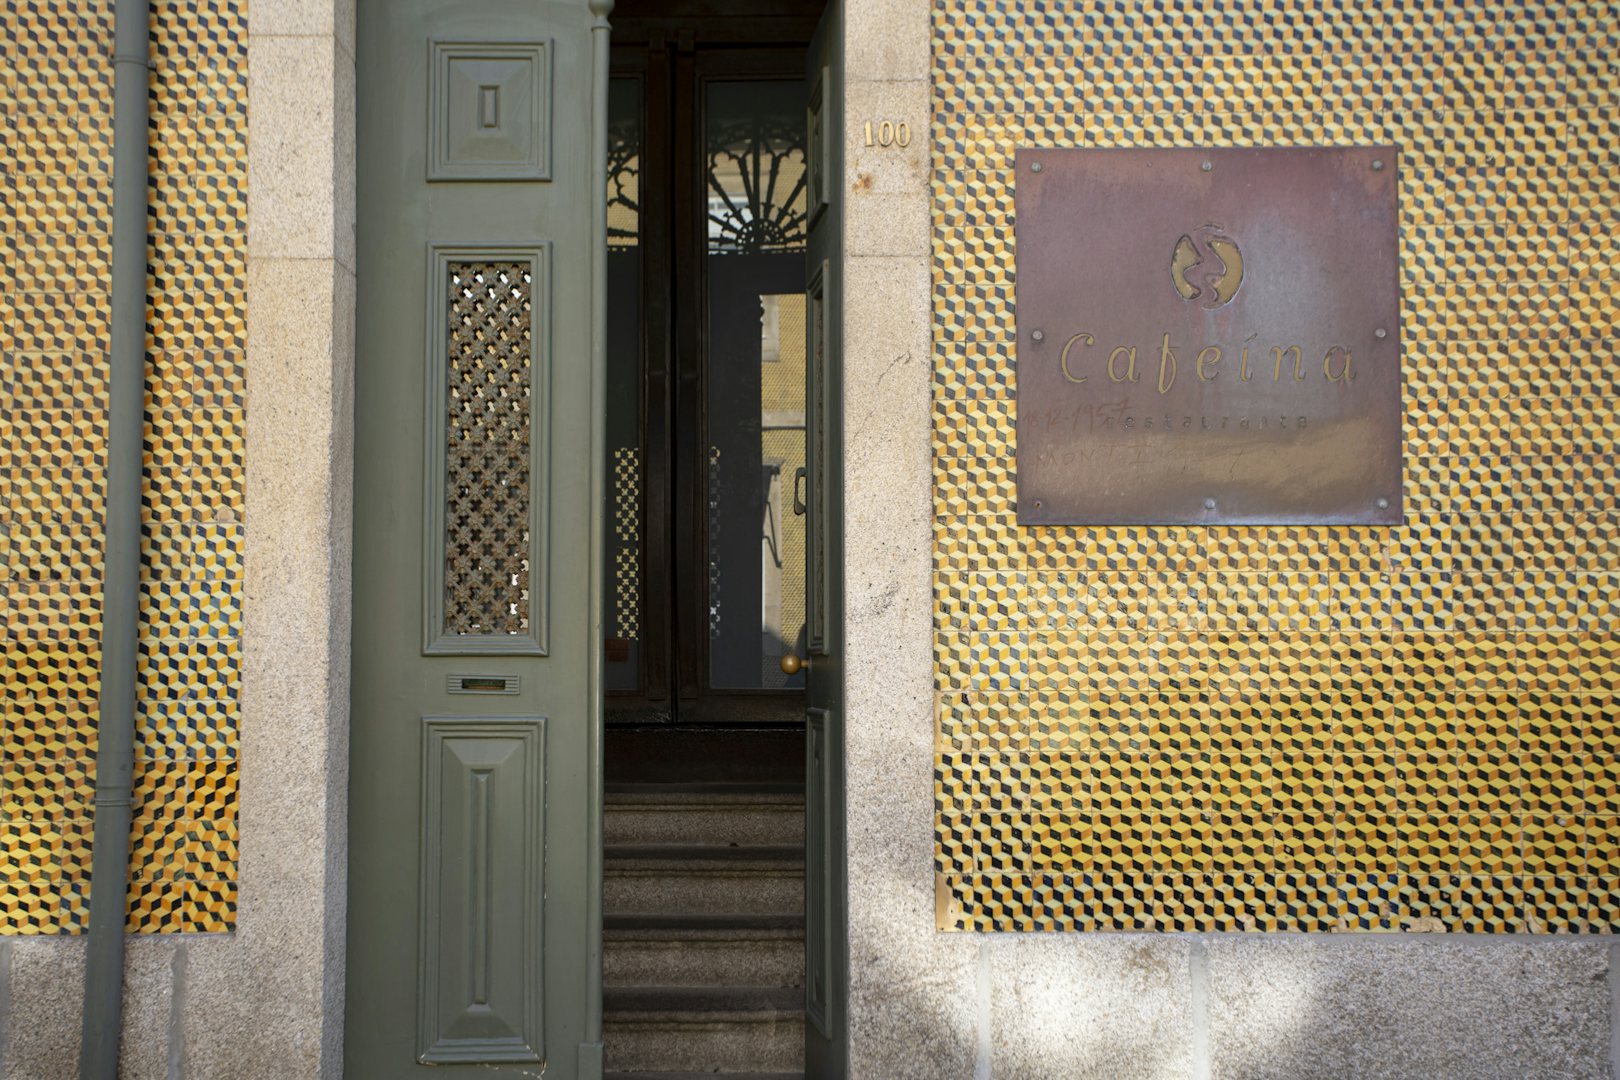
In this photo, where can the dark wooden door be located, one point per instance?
(708, 235)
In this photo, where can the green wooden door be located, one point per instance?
(475, 792)
(826, 876)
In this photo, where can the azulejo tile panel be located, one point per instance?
(55, 149)
(1302, 729)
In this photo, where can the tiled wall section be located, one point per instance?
(1297, 728)
(55, 217)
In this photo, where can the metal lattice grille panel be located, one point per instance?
(487, 459)
(627, 542)
(756, 186)
(1296, 728)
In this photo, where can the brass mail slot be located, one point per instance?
(483, 684)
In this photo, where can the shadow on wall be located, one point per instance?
(1092, 1006)
(1110, 1006)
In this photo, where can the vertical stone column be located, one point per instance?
(269, 1002)
(912, 990)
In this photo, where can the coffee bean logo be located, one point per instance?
(1207, 266)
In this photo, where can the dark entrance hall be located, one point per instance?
(706, 622)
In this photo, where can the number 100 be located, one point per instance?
(888, 133)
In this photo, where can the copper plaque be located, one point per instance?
(1208, 336)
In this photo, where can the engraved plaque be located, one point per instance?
(1208, 336)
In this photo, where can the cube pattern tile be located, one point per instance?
(55, 220)
(1303, 729)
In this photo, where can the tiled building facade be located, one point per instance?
(1296, 728)
(57, 147)
(1346, 800)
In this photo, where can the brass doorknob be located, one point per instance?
(791, 664)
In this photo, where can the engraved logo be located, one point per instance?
(1207, 266)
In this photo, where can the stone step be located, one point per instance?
(703, 856)
(715, 817)
(703, 1029)
(697, 892)
(705, 790)
(766, 809)
(722, 924)
(690, 879)
(715, 955)
(704, 1075)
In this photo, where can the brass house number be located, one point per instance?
(888, 133)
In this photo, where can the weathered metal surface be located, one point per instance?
(1208, 336)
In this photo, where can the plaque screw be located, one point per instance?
(1035, 167)
(1209, 504)
(1208, 165)
(1378, 164)
(1037, 335)
(1037, 504)
(1380, 333)
(1383, 504)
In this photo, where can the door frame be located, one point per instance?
(827, 1032)
(788, 21)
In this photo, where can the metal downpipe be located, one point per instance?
(115, 753)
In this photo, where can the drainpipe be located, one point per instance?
(590, 1050)
(115, 730)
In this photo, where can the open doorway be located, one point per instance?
(483, 643)
(704, 619)
(713, 664)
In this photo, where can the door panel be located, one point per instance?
(636, 612)
(483, 938)
(746, 185)
(826, 877)
(755, 413)
(473, 793)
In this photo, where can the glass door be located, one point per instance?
(705, 605)
(754, 237)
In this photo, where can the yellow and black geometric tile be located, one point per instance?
(55, 187)
(1412, 729)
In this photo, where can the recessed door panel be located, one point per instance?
(490, 115)
(480, 995)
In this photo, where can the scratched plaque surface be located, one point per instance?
(1208, 336)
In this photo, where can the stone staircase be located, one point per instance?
(703, 950)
